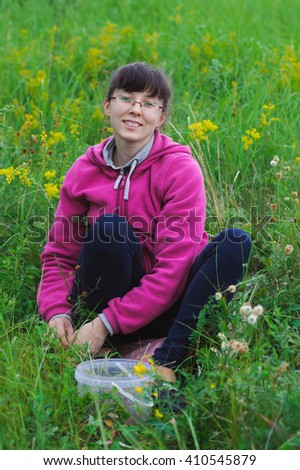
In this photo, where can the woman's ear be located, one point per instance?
(106, 105)
(163, 119)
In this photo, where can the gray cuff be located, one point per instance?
(62, 315)
(106, 323)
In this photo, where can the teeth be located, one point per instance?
(132, 124)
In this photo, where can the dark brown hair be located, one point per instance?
(140, 76)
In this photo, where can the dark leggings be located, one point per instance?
(111, 265)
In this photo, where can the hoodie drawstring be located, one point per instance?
(119, 179)
(127, 185)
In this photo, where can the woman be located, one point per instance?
(145, 267)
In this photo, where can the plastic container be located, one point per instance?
(102, 375)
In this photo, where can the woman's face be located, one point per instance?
(133, 123)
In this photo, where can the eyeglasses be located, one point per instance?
(148, 105)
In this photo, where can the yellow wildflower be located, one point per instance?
(9, 173)
(98, 114)
(251, 135)
(140, 369)
(158, 414)
(209, 126)
(74, 129)
(264, 120)
(44, 138)
(55, 138)
(138, 389)
(51, 190)
(50, 174)
(194, 51)
(247, 142)
(269, 107)
(212, 386)
(151, 361)
(126, 31)
(254, 133)
(41, 76)
(200, 129)
(23, 175)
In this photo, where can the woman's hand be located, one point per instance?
(94, 333)
(64, 329)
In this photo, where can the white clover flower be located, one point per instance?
(218, 295)
(258, 310)
(276, 158)
(273, 163)
(232, 289)
(252, 319)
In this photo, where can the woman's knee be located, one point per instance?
(108, 229)
(238, 236)
(235, 240)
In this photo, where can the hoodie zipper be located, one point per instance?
(120, 183)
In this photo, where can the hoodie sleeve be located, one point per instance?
(61, 252)
(180, 237)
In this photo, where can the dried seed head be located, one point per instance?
(273, 207)
(246, 309)
(252, 319)
(244, 348)
(222, 336)
(258, 310)
(239, 347)
(281, 369)
(288, 249)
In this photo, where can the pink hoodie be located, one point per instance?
(166, 209)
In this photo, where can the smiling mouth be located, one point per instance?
(132, 124)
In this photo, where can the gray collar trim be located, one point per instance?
(108, 152)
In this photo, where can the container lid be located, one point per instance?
(109, 372)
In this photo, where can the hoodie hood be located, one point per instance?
(159, 146)
(162, 146)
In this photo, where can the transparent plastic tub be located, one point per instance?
(102, 375)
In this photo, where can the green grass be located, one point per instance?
(227, 59)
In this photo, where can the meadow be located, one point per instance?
(235, 69)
